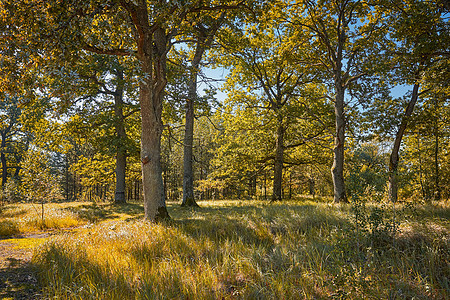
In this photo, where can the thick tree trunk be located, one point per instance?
(152, 55)
(121, 155)
(278, 163)
(393, 161)
(337, 170)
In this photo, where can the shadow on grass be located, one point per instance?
(18, 281)
(8, 228)
(72, 276)
(11, 213)
(95, 213)
(132, 210)
(255, 224)
(264, 210)
(430, 211)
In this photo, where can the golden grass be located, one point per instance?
(26, 218)
(245, 250)
(25, 243)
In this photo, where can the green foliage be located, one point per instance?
(39, 181)
(13, 191)
(94, 172)
(366, 171)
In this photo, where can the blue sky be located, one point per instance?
(220, 73)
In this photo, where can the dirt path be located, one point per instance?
(17, 278)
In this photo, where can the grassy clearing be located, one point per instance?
(25, 243)
(21, 218)
(250, 250)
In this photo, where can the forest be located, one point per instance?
(225, 149)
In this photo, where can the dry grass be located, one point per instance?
(247, 250)
(19, 219)
(24, 218)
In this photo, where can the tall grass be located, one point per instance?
(24, 218)
(246, 250)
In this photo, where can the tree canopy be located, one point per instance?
(310, 86)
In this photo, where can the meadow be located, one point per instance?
(300, 249)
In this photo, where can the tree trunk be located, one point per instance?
(337, 170)
(311, 187)
(422, 186)
(393, 161)
(204, 41)
(188, 176)
(152, 50)
(278, 163)
(265, 184)
(290, 185)
(121, 155)
(437, 193)
(3, 160)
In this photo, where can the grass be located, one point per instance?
(247, 250)
(21, 218)
(24, 218)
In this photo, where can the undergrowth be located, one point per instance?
(253, 250)
(23, 218)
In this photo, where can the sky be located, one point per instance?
(219, 74)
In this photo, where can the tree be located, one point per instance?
(424, 145)
(15, 137)
(266, 78)
(88, 89)
(420, 48)
(205, 29)
(9, 125)
(341, 35)
(39, 182)
(89, 26)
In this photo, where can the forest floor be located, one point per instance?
(231, 249)
(17, 277)
(22, 230)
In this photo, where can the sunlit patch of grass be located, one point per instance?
(244, 250)
(26, 218)
(25, 243)
(94, 213)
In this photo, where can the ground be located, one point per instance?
(17, 278)
(229, 249)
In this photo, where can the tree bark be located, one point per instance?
(394, 157)
(278, 163)
(188, 176)
(204, 40)
(121, 155)
(3, 160)
(422, 187)
(337, 170)
(152, 50)
(437, 193)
